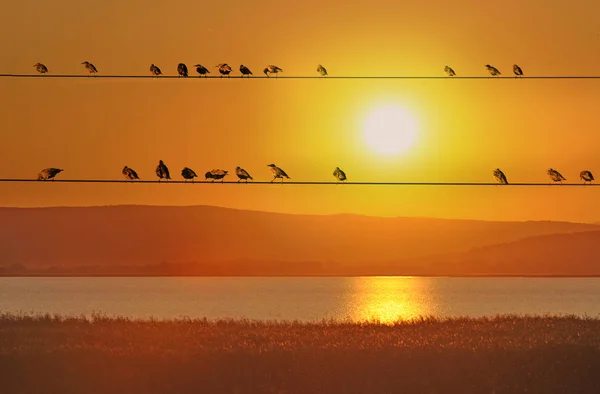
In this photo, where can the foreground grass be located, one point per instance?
(504, 354)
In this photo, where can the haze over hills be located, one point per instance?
(69, 238)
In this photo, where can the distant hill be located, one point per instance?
(116, 237)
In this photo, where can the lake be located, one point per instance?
(308, 299)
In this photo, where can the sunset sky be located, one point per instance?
(464, 128)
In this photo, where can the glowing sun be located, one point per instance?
(390, 130)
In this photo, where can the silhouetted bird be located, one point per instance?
(188, 173)
(586, 176)
(245, 71)
(155, 70)
(242, 174)
(271, 69)
(492, 70)
(224, 69)
(48, 173)
(216, 174)
(90, 67)
(517, 70)
(321, 70)
(182, 70)
(200, 69)
(40, 68)
(162, 172)
(500, 177)
(556, 176)
(339, 174)
(130, 173)
(449, 71)
(277, 172)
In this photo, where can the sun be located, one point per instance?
(390, 130)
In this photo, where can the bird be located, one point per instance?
(130, 173)
(41, 68)
(48, 173)
(321, 70)
(245, 71)
(216, 174)
(155, 70)
(242, 174)
(162, 171)
(339, 174)
(492, 70)
(188, 173)
(200, 69)
(500, 177)
(182, 70)
(449, 71)
(224, 69)
(271, 69)
(586, 176)
(277, 172)
(517, 70)
(90, 67)
(556, 176)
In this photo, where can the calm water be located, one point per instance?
(309, 299)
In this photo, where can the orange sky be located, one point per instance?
(466, 128)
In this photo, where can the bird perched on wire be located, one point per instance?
(130, 173)
(492, 70)
(586, 176)
(556, 176)
(200, 69)
(339, 174)
(322, 70)
(48, 173)
(242, 174)
(500, 177)
(271, 69)
(449, 71)
(245, 71)
(224, 69)
(188, 173)
(517, 70)
(277, 172)
(216, 174)
(162, 172)
(155, 70)
(90, 67)
(182, 70)
(41, 68)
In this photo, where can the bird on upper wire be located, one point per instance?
(162, 171)
(48, 173)
(245, 71)
(155, 70)
(41, 68)
(130, 173)
(339, 174)
(242, 174)
(90, 67)
(277, 172)
(224, 69)
(200, 69)
(188, 173)
(271, 69)
(517, 71)
(182, 70)
(492, 70)
(500, 177)
(449, 71)
(556, 176)
(322, 70)
(586, 176)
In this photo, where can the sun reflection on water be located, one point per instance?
(389, 299)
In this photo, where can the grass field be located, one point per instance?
(504, 354)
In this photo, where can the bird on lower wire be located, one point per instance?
(242, 174)
(155, 70)
(245, 71)
(90, 67)
(492, 70)
(182, 70)
(586, 176)
(48, 173)
(216, 174)
(271, 69)
(188, 173)
(224, 69)
(162, 172)
(41, 68)
(556, 176)
(277, 172)
(517, 70)
(200, 69)
(500, 177)
(130, 173)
